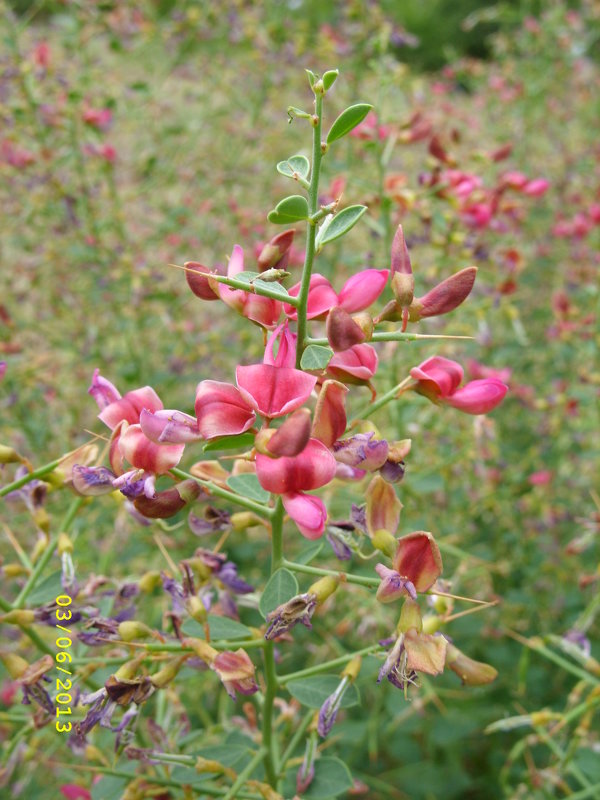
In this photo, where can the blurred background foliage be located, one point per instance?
(181, 167)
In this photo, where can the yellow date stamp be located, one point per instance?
(63, 657)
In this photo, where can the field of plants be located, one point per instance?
(299, 400)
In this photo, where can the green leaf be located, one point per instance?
(281, 586)
(246, 277)
(316, 356)
(247, 485)
(290, 209)
(220, 628)
(294, 164)
(338, 225)
(312, 78)
(332, 778)
(329, 78)
(273, 287)
(47, 590)
(239, 441)
(313, 691)
(311, 552)
(347, 120)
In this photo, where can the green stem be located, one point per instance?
(31, 476)
(536, 645)
(270, 743)
(295, 741)
(336, 662)
(347, 577)
(252, 289)
(47, 554)
(385, 398)
(392, 336)
(245, 774)
(311, 230)
(252, 505)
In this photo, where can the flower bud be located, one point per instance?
(384, 541)
(64, 545)
(149, 581)
(169, 502)
(129, 669)
(9, 455)
(418, 558)
(365, 322)
(14, 664)
(410, 617)
(403, 287)
(196, 609)
(362, 450)
(202, 649)
(199, 285)
(432, 623)
(18, 616)
(242, 520)
(324, 588)
(275, 254)
(352, 668)
(292, 437)
(342, 331)
(383, 506)
(444, 297)
(165, 675)
(261, 440)
(472, 673)
(129, 630)
(14, 570)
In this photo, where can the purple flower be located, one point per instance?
(297, 610)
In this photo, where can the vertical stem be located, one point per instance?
(270, 743)
(311, 232)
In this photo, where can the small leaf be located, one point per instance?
(347, 120)
(316, 356)
(339, 224)
(240, 440)
(313, 691)
(247, 485)
(311, 552)
(281, 586)
(220, 628)
(272, 287)
(332, 778)
(294, 164)
(329, 78)
(290, 209)
(312, 78)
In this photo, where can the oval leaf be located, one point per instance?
(240, 440)
(329, 78)
(347, 120)
(220, 628)
(316, 356)
(332, 778)
(313, 691)
(281, 586)
(295, 165)
(290, 209)
(248, 485)
(339, 225)
(273, 287)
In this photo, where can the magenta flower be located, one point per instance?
(274, 391)
(308, 512)
(311, 469)
(169, 426)
(263, 310)
(221, 410)
(146, 455)
(357, 365)
(439, 378)
(357, 293)
(114, 408)
(286, 347)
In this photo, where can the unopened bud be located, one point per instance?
(403, 287)
(201, 648)
(275, 254)
(444, 297)
(400, 262)
(471, 673)
(131, 629)
(18, 616)
(64, 545)
(242, 520)
(410, 617)
(432, 623)
(365, 322)
(195, 608)
(383, 541)
(324, 588)
(41, 519)
(197, 282)
(129, 669)
(9, 455)
(149, 581)
(342, 331)
(165, 675)
(167, 503)
(206, 765)
(13, 570)
(352, 668)
(292, 437)
(14, 664)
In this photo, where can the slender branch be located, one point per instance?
(393, 336)
(294, 741)
(336, 662)
(263, 511)
(311, 229)
(31, 476)
(537, 646)
(251, 288)
(347, 577)
(393, 393)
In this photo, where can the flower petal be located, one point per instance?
(169, 426)
(418, 559)
(356, 365)
(221, 410)
(478, 397)
(144, 454)
(321, 297)
(312, 468)
(274, 391)
(438, 376)
(362, 289)
(308, 512)
(330, 412)
(130, 406)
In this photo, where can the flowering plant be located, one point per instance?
(300, 433)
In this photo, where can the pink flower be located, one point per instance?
(274, 391)
(74, 792)
(312, 468)
(99, 118)
(536, 187)
(221, 410)
(146, 455)
(439, 378)
(308, 512)
(263, 310)
(355, 366)
(477, 370)
(357, 293)
(114, 408)
(286, 351)
(541, 478)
